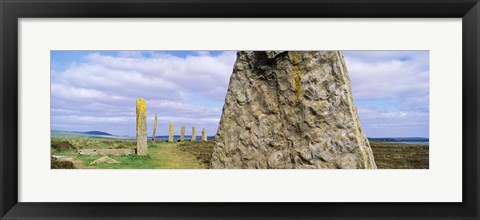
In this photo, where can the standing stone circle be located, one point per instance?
(287, 109)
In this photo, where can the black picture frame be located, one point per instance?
(12, 10)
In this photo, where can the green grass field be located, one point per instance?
(161, 155)
(196, 155)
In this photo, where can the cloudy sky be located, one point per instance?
(96, 90)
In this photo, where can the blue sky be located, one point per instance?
(96, 90)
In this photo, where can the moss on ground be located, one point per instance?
(201, 150)
(400, 156)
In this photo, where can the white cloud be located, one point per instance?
(66, 92)
(391, 78)
(393, 123)
(391, 90)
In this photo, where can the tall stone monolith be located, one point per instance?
(141, 127)
(204, 134)
(154, 128)
(182, 133)
(194, 134)
(288, 109)
(171, 129)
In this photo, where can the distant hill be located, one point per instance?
(97, 133)
(88, 134)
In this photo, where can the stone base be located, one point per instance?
(115, 152)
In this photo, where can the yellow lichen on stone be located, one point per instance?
(141, 126)
(298, 81)
(141, 109)
(295, 59)
(170, 132)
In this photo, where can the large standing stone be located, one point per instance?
(290, 110)
(154, 128)
(194, 134)
(182, 133)
(141, 127)
(204, 134)
(171, 129)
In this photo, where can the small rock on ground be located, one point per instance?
(105, 159)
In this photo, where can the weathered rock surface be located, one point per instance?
(286, 109)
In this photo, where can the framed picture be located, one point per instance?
(227, 109)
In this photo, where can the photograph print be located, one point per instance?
(239, 109)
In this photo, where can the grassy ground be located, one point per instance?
(196, 155)
(201, 150)
(400, 156)
(161, 155)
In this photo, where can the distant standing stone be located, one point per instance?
(141, 127)
(204, 135)
(170, 132)
(194, 135)
(154, 128)
(182, 133)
